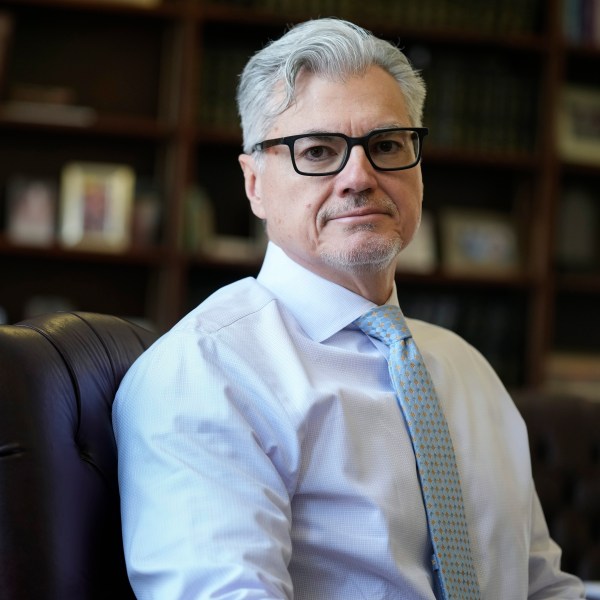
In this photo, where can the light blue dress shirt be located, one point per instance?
(262, 454)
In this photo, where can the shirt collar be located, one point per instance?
(321, 307)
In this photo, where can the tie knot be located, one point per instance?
(386, 323)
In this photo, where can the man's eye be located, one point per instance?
(388, 146)
(317, 153)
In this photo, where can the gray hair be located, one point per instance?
(330, 47)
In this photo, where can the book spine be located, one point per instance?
(6, 34)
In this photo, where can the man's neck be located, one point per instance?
(374, 284)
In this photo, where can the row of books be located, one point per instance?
(575, 373)
(475, 103)
(220, 69)
(578, 229)
(492, 16)
(581, 21)
(494, 326)
(480, 103)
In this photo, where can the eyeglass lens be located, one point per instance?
(324, 153)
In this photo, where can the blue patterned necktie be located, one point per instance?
(434, 453)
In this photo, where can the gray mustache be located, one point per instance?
(356, 201)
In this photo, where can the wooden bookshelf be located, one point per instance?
(148, 78)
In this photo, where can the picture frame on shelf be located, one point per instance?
(577, 249)
(39, 304)
(146, 215)
(578, 124)
(420, 256)
(31, 205)
(96, 205)
(479, 242)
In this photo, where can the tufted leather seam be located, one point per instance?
(7, 450)
(108, 356)
(83, 455)
(67, 364)
(86, 457)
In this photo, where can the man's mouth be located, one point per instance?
(358, 215)
(357, 210)
(360, 212)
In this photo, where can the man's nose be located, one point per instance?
(358, 174)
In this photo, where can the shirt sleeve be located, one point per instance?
(204, 485)
(546, 580)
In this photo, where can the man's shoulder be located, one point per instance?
(435, 338)
(227, 306)
(428, 330)
(232, 314)
(225, 325)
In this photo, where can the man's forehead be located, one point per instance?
(319, 103)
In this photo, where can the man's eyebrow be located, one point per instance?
(321, 132)
(393, 125)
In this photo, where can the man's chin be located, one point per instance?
(372, 255)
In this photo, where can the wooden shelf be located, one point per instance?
(140, 71)
(582, 50)
(171, 8)
(580, 284)
(110, 125)
(484, 158)
(153, 257)
(587, 170)
(524, 42)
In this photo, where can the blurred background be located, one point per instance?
(120, 190)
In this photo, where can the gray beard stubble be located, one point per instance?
(374, 257)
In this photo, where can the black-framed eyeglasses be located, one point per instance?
(315, 154)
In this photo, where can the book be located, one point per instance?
(576, 373)
(477, 103)
(31, 211)
(420, 256)
(47, 113)
(578, 124)
(199, 220)
(577, 229)
(6, 33)
(494, 326)
(221, 67)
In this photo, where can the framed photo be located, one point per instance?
(96, 203)
(31, 211)
(420, 256)
(146, 215)
(479, 242)
(578, 126)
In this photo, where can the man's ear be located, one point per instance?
(252, 184)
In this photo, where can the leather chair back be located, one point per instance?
(60, 528)
(564, 437)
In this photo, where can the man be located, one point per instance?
(263, 452)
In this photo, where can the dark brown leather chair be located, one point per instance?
(60, 528)
(564, 437)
